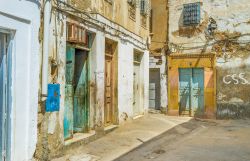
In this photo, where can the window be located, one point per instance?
(145, 7)
(191, 14)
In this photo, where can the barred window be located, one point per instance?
(191, 14)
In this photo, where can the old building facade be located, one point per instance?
(19, 78)
(97, 64)
(208, 65)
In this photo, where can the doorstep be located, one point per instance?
(81, 138)
(137, 117)
(110, 128)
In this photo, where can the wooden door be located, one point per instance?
(136, 90)
(69, 93)
(154, 89)
(108, 111)
(3, 94)
(6, 45)
(81, 101)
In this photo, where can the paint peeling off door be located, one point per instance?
(81, 92)
(136, 86)
(108, 91)
(198, 91)
(184, 91)
(69, 93)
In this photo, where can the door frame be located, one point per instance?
(137, 60)
(75, 46)
(206, 61)
(191, 97)
(9, 84)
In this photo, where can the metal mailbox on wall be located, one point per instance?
(53, 100)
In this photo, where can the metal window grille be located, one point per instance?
(191, 14)
(143, 6)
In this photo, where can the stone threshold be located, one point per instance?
(137, 117)
(110, 128)
(81, 138)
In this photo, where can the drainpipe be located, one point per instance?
(46, 34)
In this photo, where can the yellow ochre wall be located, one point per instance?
(206, 61)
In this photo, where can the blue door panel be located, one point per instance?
(184, 89)
(81, 92)
(198, 90)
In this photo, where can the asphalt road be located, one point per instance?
(227, 140)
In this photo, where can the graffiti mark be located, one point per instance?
(236, 79)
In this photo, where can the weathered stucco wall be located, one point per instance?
(51, 136)
(230, 42)
(117, 11)
(159, 23)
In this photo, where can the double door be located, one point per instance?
(76, 113)
(191, 91)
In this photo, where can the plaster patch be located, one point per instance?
(52, 123)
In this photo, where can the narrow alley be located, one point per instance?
(124, 80)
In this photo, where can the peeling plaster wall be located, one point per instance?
(117, 11)
(231, 44)
(51, 138)
(23, 18)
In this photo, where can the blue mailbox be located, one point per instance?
(53, 99)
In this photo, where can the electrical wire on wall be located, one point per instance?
(86, 17)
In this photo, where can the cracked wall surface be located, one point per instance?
(230, 41)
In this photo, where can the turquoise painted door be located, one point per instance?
(6, 45)
(185, 78)
(191, 91)
(69, 93)
(81, 91)
(3, 95)
(197, 91)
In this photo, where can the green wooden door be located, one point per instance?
(81, 101)
(69, 92)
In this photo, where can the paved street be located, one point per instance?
(226, 140)
(123, 139)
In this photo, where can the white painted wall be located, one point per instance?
(125, 51)
(23, 17)
(125, 79)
